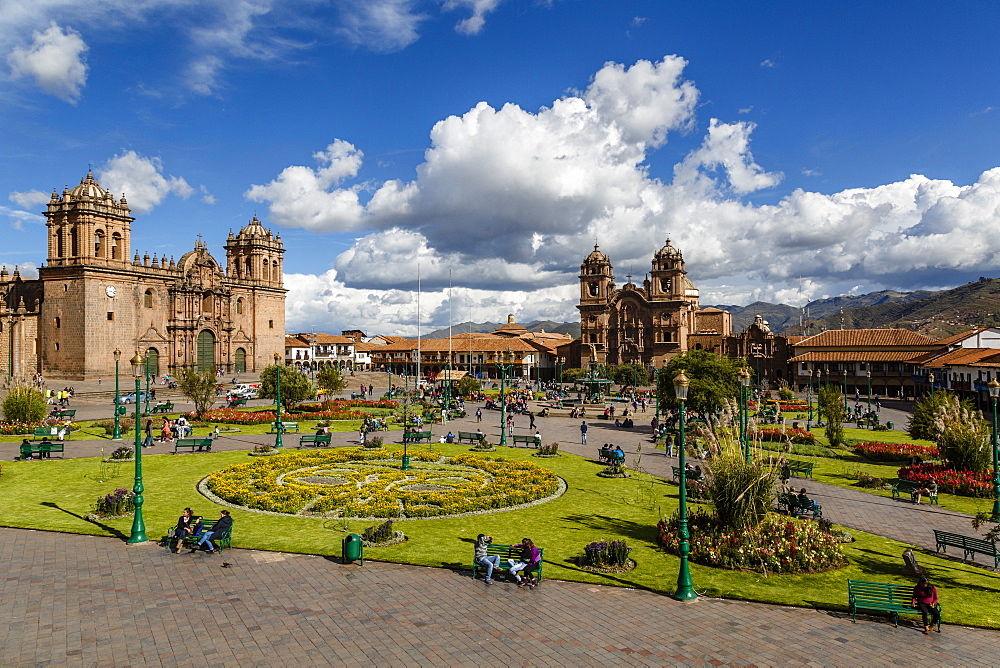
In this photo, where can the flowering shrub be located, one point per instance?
(234, 416)
(14, 427)
(800, 436)
(352, 482)
(604, 554)
(894, 452)
(124, 425)
(118, 503)
(779, 544)
(784, 406)
(123, 452)
(951, 481)
(341, 404)
(380, 533)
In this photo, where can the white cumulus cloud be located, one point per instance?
(473, 24)
(383, 26)
(141, 180)
(55, 60)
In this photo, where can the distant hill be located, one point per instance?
(936, 314)
(778, 316)
(571, 328)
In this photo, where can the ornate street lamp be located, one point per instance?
(819, 416)
(744, 375)
(138, 534)
(868, 373)
(277, 419)
(994, 387)
(845, 389)
(504, 367)
(685, 587)
(560, 362)
(146, 398)
(809, 397)
(117, 434)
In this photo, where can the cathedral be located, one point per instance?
(647, 324)
(94, 296)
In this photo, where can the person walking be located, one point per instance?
(531, 420)
(925, 599)
(148, 443)
(479, 415)
(583, 433)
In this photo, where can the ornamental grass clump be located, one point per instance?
(963, 437)
(743, 491)
(24, 403)
(379, 533)
(606, 554)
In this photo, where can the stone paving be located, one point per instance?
(80, 600)
(94, 601)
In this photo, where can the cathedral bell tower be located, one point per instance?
(667, 276)
(255, 255)
(87, 226)
(597, 280)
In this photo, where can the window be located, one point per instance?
(147, 299)
(98, 244)
(111, 315)
(270, 324)
(74, 242)
(665, 284)
(594, 289)
(239, 306)
(58, 323)
(57, 346)
(65, 287)
(60, 246)
(263, 271)
(116, 246)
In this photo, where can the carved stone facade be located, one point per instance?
(646, 324)
(90, 298)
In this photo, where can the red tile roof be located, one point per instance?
(854, 356)
(865, 338)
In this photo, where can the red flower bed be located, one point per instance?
(964, 483)
(800, 436)
(785, 406)
(877, 451)
(348, 403)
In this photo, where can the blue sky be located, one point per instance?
(791, 150)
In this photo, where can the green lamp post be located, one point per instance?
(685, 587)
(994, 387)
(809, 398)
(656, 391)
(117, 434)
(744, 375)
(504, 367)
(819, 417)
(277, 419)
(560, 362)
(845, 389)
(138, 534)
(868, 373)
(146, 398)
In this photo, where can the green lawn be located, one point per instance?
(56, 495)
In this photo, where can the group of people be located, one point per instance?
(190, 525)
(59, 397)
(522, 570)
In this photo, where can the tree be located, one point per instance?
(295, 385)
(570, 375)
(466, 385)
(199, 387)
(24, 404)
(713, 381)
(832, 411)
(328, 378)
(629, 375)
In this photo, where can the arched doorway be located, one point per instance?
(241, 360)
(206, 351)
(152, 362)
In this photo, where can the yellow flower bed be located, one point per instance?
(356, 483)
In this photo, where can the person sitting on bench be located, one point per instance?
(806, 502)
(930, 489)
(221, 526)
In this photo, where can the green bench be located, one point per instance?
(64, 413)
(528, 440)
(44, 450)
(416, 436)
(796, 506)
(610, 456)
(470, 436)
(167, 407)
(883, 597)
(236, 403)
(800, 469)
(193, 444)
(221, 541)
(315, 440)
(970, 546)
(285, 427)
(691, 475)
(506, 552)
(901, 486)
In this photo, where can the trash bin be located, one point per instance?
(351, 548)
(888, 425)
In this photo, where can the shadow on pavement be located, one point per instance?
(110, 529)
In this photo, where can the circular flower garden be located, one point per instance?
(352, 483)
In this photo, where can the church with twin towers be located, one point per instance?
(95, 294)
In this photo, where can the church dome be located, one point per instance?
(254, 229)
(668, 251)
(597, 257)
(89, 188)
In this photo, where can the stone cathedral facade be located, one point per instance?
(644, 324)
(95, 295)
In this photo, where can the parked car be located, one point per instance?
(130, 397)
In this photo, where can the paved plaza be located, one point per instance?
(81, 600)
